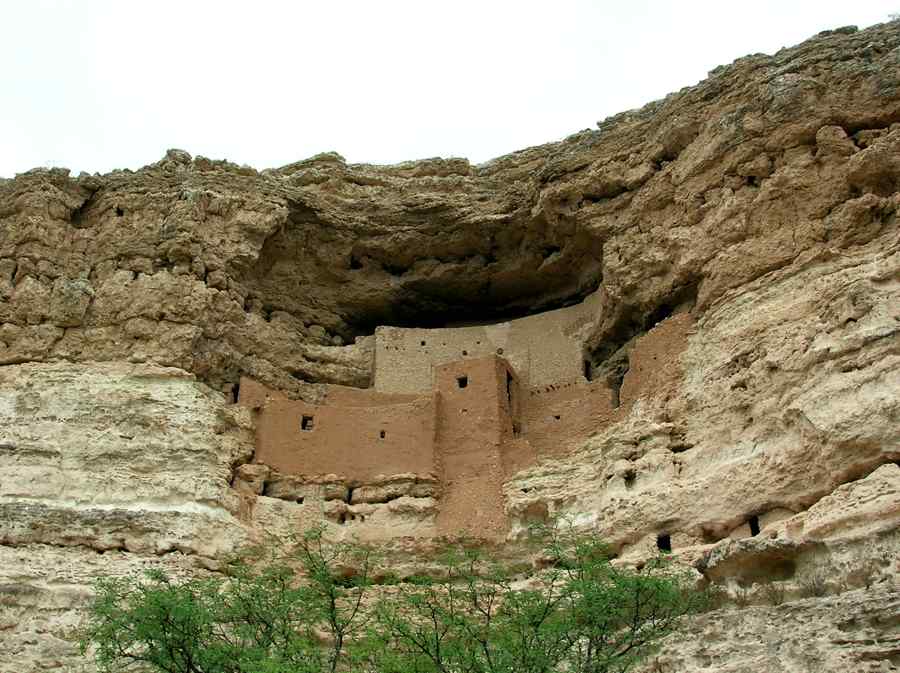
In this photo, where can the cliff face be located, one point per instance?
(763, 202)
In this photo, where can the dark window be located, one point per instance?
(119, 212)
(509, 382)
(587, 369)
(306, 423)
(462, 381)
(381, 434)
(422, 342)
(754, 525)
(236, 392)
(465, 353)
(664, 542)
(556, 416)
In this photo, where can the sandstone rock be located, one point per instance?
(251, 479)
(118, 456)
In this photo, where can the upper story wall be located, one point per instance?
(544, 348)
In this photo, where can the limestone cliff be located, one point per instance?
(762, 203)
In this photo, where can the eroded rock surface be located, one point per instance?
(762, 202)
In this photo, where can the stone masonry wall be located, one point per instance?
(543, 348)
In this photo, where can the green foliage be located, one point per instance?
(580, 614)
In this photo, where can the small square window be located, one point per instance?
(306, 423)
(462, 381)
(381, 434)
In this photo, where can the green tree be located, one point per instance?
(581, 614)
(266, 619)
(312, 612)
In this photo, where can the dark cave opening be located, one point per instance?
(754, 525)
(426, 311)
(664, 542)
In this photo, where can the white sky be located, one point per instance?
(95, 85)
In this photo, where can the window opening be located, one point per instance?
(587, 369)
(381, 434)
(306, 423)
(664, 542)
(462, 381)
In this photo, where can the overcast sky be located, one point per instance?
(94, 85)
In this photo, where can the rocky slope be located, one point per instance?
(762, 201)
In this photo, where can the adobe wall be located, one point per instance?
(654, 365)
(347, 435)
(556, 417)
(473, 422)
(543, 348)
(255, 395)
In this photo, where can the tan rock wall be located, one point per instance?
(118, 456)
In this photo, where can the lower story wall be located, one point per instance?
(357, 442)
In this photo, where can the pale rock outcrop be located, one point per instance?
(43, 591)
(119, 456)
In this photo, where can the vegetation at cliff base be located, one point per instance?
(317, 610)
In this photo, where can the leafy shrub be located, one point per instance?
(580, 614)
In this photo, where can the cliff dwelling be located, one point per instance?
(465, 407)
(678, 330)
